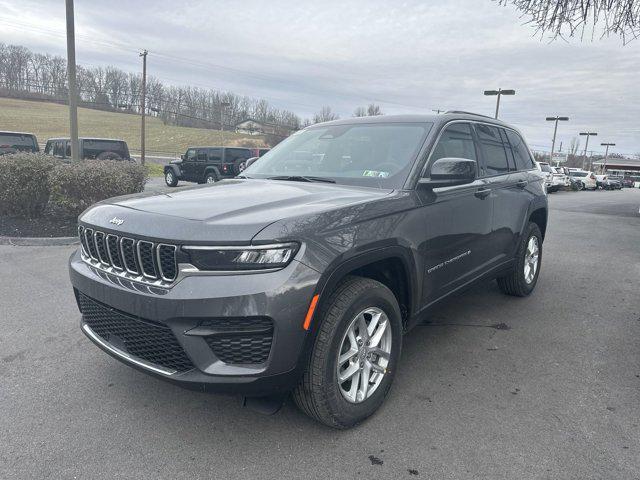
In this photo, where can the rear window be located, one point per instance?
(25, 143)
(495, 155)
(93, 148)
(233, 154)
(546, 168)
(578, 174)
(520, 151)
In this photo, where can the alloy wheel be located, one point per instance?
(531, 259)
(364, 355)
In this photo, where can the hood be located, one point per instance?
(230, 211)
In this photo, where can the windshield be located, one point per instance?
(374, 155)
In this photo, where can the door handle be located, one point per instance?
(522, 183)
(483, 192)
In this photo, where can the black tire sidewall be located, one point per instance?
(212, 175)
(350, 413)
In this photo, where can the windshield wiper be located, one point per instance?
(302, 178)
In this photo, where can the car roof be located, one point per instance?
(16, 133)
(435, 119)
(89, 138)
(214, 146)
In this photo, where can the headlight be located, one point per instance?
(242, 258)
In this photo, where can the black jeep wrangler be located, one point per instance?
(90, 149)
(14, 142)
(207, 164)
(304, 273)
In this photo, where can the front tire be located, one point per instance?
(170, 178)
(522, 279)
(355, 354)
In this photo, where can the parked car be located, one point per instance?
(628, 182)
(13, 142)
(583, 179)
(547, 174)
(600, 181)
(613, 182)
(258, 152)
(90, 149)
(207, 164)
(304, 274)
(559, 180)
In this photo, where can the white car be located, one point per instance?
(585, 180)
(547, 175)
(559, 181)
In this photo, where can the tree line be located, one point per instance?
(28, 74)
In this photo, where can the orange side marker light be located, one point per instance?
(312, 308)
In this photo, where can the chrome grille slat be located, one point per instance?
(91, 246)
(138, 260)
(146, 258)
(128, 248)
(101, 248)
(114, 253)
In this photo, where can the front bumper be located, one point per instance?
(282, 296)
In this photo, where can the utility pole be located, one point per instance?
(586, 145)
(606, 154)
(223, 105)
(143, 106)
(555, 131)
(71, 79)
(499, 93)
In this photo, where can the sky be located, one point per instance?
(406, 56)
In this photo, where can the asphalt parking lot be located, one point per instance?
(494, 387)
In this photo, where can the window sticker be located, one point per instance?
(375, 173)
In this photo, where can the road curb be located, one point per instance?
(38, 241)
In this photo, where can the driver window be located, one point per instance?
(191, 154)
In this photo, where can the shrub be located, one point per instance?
(76, 186)
(24, 184)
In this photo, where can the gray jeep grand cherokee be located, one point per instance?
(304, 273)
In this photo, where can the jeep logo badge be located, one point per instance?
(116, 221)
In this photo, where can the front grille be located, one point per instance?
(149, 341)
(141, 258)
(241, 341)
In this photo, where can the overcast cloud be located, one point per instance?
(409, 57)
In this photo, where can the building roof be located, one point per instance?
(622, 162)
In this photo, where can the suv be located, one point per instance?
(207, 164)
(13, 142)
(584, 180)
(90, 148)
(303, 273)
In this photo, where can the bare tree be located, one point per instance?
(324, 115)
(574, 145)
(580, 18)
(371, 110)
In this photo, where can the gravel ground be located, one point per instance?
(494, 387)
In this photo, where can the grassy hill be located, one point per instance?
(48, 120)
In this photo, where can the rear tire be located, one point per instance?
(520, 281)
(320, 394)
(210, 177)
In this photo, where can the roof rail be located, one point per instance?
(468, 113)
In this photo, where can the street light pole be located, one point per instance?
(71, 79)
(223, 105)
(499, 93)
(555, 131)
(606, 154)
(143, 54)
(586, 146)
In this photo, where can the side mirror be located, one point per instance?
(448, 172)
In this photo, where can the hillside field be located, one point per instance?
(47, 120)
